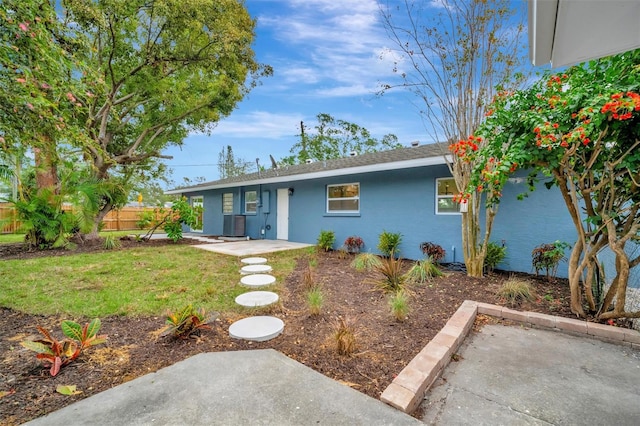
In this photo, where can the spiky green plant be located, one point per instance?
(392, 279)
(399, 305)
(515, 291)
(365, 262)
(389, 243)
(111, 242)
(423, 271)
(315, 300)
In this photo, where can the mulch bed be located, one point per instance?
(384, 345)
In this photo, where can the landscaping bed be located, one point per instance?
(383, 344)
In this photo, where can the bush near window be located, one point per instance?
(388, 243)
(326, 239)
(354, 244)
(433, 251)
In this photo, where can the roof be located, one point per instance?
(395, 159)
(566, 32)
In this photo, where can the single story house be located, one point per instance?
(407, 190)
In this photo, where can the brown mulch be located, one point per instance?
(384, 345)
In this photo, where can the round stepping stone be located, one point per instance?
(258, 329)
(254, 261)
(252, 299)
(255, 269)
(257, 280)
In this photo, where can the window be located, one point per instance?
(227, 203)
(445, 190)
(343, 198)
(197, 203)
(250, 202)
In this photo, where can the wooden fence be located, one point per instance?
(116, 220)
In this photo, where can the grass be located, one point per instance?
(391, 277)
(19, 238)
(515, 291)
(423, 271)
(344, 336)
(399, 305)
(365, 262)
(133, 282)
(315, 300)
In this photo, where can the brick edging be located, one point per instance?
(408, 388)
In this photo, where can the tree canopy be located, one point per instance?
(335, 138)
(581, 128)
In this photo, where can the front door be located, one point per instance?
(282, 214)
(197, 202)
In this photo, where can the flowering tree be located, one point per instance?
(581, 128)
(452, 55)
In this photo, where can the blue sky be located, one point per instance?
(326, 56)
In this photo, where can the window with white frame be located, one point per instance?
(250, 202)
(445, 191)
(343, 198)
(227, 203)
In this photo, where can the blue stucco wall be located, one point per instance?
(400, 201)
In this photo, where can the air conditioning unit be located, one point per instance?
(234, 225)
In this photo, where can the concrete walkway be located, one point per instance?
(511, 375)
(260, 387)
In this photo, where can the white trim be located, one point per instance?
(439, 197)
(254, 202)
(223, 212)
(342, 198)
(396, 165)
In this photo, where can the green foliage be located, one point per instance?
(365, 262)
(548, 256)
(111, 242)
(353, 244)
(336, 139)
(229, 165)
(399, 305)
(423, 271)
(433, 251)
(58, 353)
(515, 291)
(495, 254)
(172, 219)
(145, 219)
(326, 240)
(389, 243)
(44, 223)
(187, 322)
(344, 336)
(315, 300)
(392, 279)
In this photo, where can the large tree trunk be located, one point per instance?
(46, 170)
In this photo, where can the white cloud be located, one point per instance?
(258, 124)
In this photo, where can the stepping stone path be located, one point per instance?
(258, 328)
(254, 261)
(255, 269)
(253, 299)
(257, 280)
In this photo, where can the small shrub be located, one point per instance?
(187, 322)
(399, 305)
(145, 219)
(111, 242)
(344, 336)
(315, 300)
(389, 243)
(326, 239)
(515, 291)
(392, 278)
(495, 254)
(59, 353)
(422, 271)
(433, 251)
(548, 257)
(353, 244)
(342, 253)
(365, 262)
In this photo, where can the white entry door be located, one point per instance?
(282, 214)
(197, 202)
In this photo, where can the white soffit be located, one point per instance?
(565, 32)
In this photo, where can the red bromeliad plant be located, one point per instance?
(581, 128)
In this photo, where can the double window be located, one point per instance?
(250, 202)
(445, 191)
(343, 198)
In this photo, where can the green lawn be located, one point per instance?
(140, 281)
